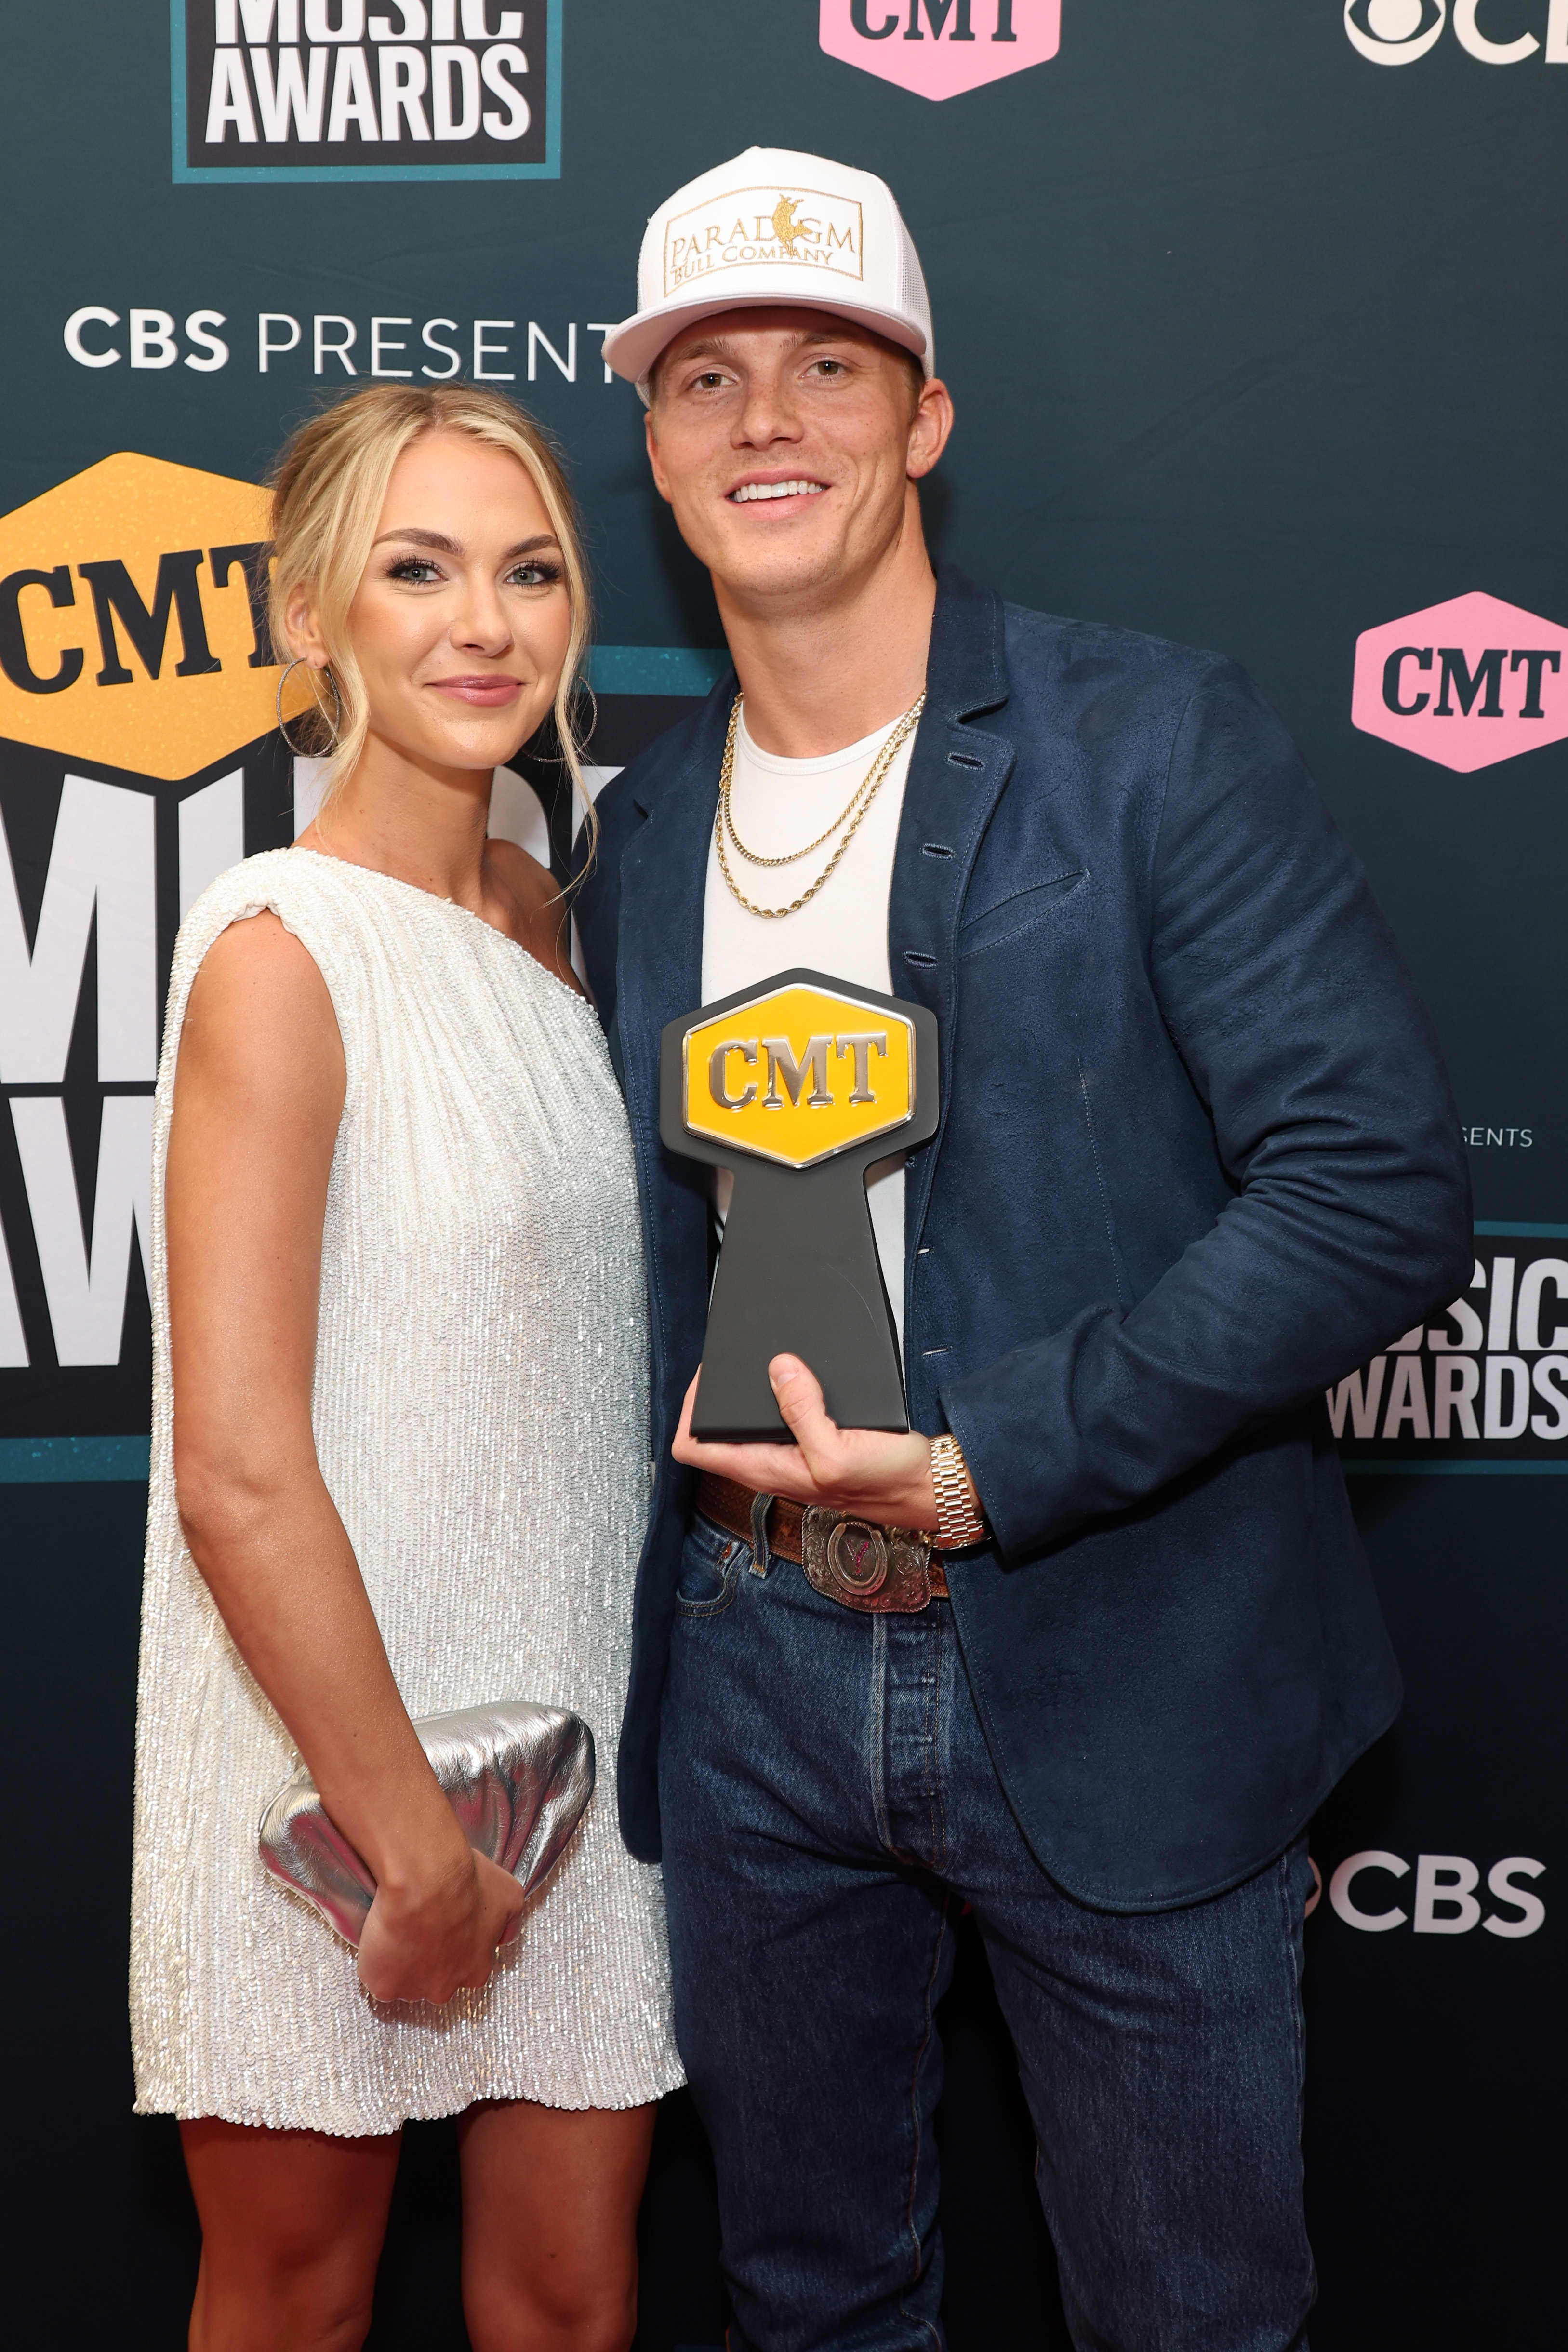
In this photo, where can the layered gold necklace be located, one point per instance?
(850, 817)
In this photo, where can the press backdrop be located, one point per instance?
(1254, 313)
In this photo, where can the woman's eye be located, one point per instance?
(418, 569)
(533, 575)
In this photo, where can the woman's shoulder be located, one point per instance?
(315, 913)
(313, 896)
(274, 878)
(257, 948)
(268, 949)
(261, 1015)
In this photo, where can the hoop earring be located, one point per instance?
(337, 715)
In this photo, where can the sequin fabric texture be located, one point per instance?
(481, 1420)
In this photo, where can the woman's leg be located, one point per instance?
(292, 2223)
(549, 2225)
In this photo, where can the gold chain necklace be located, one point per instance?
(868, 783)
(860, 801)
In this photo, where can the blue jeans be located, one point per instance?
(827, 1797)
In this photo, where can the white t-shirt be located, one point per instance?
(778, 806)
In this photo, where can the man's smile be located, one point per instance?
(758, 486)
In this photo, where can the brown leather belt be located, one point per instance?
(856, 1561)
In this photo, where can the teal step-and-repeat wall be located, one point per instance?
(1256, 320)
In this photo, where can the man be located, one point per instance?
(1197, 1159)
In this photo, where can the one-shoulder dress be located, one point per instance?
(481, 1418)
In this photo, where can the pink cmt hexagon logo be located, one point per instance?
(939, 48)
(1467, 683)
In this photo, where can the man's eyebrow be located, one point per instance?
(439, 544)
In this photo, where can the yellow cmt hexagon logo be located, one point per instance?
(133, 626)
(799, 1074)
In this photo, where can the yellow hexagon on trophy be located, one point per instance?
(132, 628)
(799, 1074)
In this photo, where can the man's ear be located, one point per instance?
(660, 480)
(929, 427)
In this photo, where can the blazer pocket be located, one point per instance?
(1021, 912)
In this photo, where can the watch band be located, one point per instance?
(959, 1520)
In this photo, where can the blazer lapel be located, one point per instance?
(957, 774)
(663, 875)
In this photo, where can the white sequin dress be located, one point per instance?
(481, 1420)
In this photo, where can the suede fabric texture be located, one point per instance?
(1197, 1158)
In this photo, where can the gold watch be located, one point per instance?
(959, 1520)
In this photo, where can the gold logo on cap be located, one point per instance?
(799, 1074)
(744, 228)
(785, 228)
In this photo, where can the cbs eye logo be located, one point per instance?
(1394, 31)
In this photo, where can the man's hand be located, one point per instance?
(868, 1472)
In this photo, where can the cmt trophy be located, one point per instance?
(797, 1085)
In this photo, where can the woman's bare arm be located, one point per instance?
(258, 1094)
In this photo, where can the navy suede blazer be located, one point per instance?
(1197, 1158)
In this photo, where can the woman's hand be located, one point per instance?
(428, 1938)
(866, 1472)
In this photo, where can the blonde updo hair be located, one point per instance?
(328, 493)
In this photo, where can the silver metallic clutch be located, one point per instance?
(518, 1777)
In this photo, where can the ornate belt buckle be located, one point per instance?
(881, 1571)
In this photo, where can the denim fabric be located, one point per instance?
(827, 1797)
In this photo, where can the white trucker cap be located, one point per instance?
(774, 226)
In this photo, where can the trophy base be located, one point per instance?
(799, 1275)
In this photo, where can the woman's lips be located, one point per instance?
(480, 693)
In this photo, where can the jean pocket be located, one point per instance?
(709, 1571)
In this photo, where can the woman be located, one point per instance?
(400, 1442)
